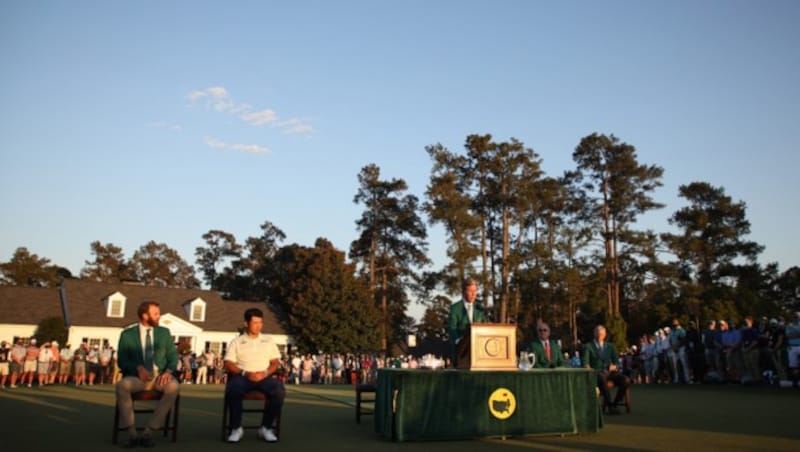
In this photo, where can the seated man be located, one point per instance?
(148, 359)
(251, 361)
(602, 357)
(547, 351)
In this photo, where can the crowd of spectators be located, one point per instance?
(762, 352)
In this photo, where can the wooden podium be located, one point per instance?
(488, 346)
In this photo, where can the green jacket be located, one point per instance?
(597, 359)
(130, 354)
(457, 320)
(556, 357)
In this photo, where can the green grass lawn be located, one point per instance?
(322, 418)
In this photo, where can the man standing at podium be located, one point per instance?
(464, 313)
(547, 351)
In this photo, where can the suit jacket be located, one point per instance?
(600, 360)
(556, 357)
(457, 319)
(130, 351)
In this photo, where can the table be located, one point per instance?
(455, 404)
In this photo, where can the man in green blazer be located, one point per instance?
(148, 359)
(547, 351)
(602, 357)
(464, 313)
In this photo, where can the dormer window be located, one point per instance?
(115, 305)
(197, 310)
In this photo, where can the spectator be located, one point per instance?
(710, 343)
(43, 364)
(694, 344)
(79, 363)
(677, 352)
(31, 359)
(17, 364)
(777, 339)
(64, 364)
(751, 372)
(5, 355)
(793, 349)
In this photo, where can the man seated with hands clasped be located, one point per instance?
(251, 361)
(602, 357)
(547, 351)
(148, 360)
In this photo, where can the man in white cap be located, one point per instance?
(54, 361)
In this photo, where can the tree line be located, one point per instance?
(564, 249)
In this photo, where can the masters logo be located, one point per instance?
(502, 403)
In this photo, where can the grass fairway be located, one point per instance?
(321, 418)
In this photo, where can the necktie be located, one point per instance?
(547, 349)
(148, 352)
(469, 312)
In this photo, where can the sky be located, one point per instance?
(126, 122)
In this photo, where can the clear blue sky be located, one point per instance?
(126, 122)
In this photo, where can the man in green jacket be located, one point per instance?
(547, 351)
(148, 359)
(602, 357)
(463, 313)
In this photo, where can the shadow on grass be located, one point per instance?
(323, 418)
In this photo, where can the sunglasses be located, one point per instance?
(542, 331)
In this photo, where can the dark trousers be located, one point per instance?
(237, 387)
(619, 381)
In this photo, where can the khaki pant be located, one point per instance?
(129, 385)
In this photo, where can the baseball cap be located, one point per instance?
(33, 341)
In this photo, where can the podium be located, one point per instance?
(488, 346)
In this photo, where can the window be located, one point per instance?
(196, 310)
(115, 305)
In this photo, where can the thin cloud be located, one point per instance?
(218, 99)
(247, 148)
(164, 125)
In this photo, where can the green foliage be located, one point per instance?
(109, 264)
(329, 308)
(51, 328)
(27, 269)
(390, 247)
(617, 330)
(156, 264)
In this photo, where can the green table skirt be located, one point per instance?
(455, 404)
